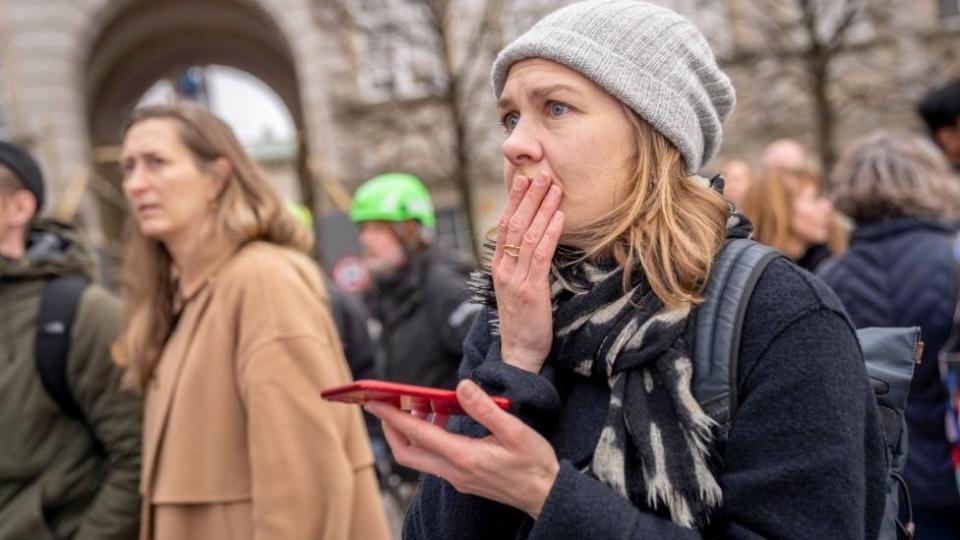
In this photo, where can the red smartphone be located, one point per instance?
(403, 396)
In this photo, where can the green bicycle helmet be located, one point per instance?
(393, 197)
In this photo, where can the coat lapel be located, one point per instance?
(161, 390)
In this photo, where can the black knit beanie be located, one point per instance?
(25, 168)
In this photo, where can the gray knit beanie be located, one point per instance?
(648, 57)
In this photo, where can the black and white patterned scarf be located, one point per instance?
(655, 445)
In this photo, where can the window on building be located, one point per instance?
(399, 55)
(452, 231)
(949, 9)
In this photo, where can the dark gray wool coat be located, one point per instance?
(803, 460)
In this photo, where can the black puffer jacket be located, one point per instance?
(351, 319)
(898, 273)
(425, 314)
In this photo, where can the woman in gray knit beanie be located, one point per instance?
(601, 257)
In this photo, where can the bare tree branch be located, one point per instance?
(461, 50)
(850, 15)
(809, 41)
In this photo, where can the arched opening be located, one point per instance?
(149, 42)
(255, 112)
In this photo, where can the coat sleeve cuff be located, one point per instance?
(533, 396)
(582, 507)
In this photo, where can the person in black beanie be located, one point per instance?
(76, 445)
(940, 110)
(25, 169)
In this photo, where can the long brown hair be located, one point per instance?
(667, 225)
(247, 208)
(769, 203)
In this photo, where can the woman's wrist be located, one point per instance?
(527, 361)
(541, 489)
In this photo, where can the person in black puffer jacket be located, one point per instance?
(898, 272)
(419, 296)
(418, 302)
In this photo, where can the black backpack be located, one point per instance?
(889, 353)
(58, 308)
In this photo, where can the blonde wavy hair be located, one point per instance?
(668, 225)
(248, 208)
(769, 204)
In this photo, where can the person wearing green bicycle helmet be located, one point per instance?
(419, 305)
(419, 294)
(396, 219)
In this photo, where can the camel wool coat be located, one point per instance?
(237, 443)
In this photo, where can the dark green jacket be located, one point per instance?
(53, 483)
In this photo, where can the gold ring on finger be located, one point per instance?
(511, 250)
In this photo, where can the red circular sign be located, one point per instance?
(350, 274)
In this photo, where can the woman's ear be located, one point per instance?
(222, 169)
(949, 139)
(21, 208)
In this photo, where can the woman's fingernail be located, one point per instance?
(519, 183)
(541, 179)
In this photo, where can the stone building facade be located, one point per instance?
(367, 81)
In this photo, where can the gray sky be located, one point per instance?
(246, 103)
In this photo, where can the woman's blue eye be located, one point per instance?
(510, 121)
(558, 109)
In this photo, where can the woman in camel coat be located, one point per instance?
(229, 335)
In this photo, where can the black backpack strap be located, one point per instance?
(58, 307)
(720, 323)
